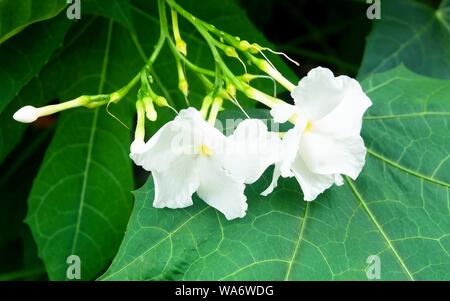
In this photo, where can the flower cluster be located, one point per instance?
(189, 155)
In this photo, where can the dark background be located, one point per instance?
(328, 33)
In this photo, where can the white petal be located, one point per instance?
(318, 93)
(197, 132)
(189, 113)
(137, 147)
(182, 136)
(338, 180)
(157, 154)
(312, 184)
(274, 183)
(174, 187)
(289, 151)
(283, 112)
(290, 147)
(328, 155)
(251, 149)
(346, 118)
(219, 190)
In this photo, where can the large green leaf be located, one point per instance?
(398, 209)
(16, 15)
(21, 60)
(81, 198)
(412, 33)
(22, 57)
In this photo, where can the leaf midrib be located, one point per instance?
(297, 245)
(91, 139)
(407, 170)
(378, 226)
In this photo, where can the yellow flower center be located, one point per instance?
(308, 127)
(204, 150)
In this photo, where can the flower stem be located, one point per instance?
(216, 105)
(180, 44)
(139, 134)
(204, 29)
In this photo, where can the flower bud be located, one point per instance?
(231, 51)
(161, 101)
(150, 112)
(181, 46)
(184, 87)
(244, 45)
(231, 89)
(27, 114)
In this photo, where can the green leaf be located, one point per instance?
(15, 238)
(410, 33)
(81, 199)
(17, 15)
(22, 57)
(398, 209)
(21, 60)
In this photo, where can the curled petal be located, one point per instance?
(174, 187)
(220, 190)
(290, 147)
(251, 149)
(319, 93)
(312, 184)
(327, 155)
(338, 180)
(346, 118)
(157, 153)
(283, 112)
(276, 175)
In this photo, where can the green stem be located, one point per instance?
(216, 105)
(187, 62)
(204, 29)
(139, 134)
(204, 24)
(119, 94)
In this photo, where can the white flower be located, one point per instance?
(325, 142)
(188, 155)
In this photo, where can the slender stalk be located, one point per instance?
(216, 105)
(187, 62)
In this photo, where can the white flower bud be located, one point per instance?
(27, 114)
